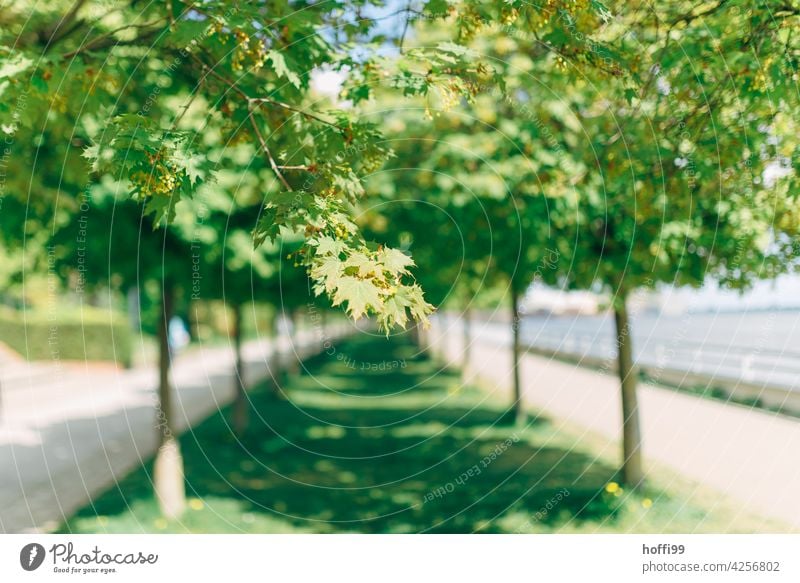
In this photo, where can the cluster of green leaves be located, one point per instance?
(160, 165)
(118, 81)
(602, 110)
(121, 77)
(677, 153)
(368, 279)
(642, 157)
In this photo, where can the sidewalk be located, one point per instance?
(69, 433)
(749, 455)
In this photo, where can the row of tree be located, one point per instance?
(205, 254)
(626, 146)
(200, 118)
(672, 163)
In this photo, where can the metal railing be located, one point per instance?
(780, 368)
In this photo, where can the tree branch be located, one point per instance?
(260, 100)
(210, 71)
(286, 106)
(267, 153)
(108, 40)
(686, 19)
(51, 34)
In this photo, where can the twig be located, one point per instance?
(259, 100)
(51, 35)
(405, 26)
(108, 40)
(213, 73)
(267, 153)
(686, 19)
(286, 106)
(185, 109)
(256, 101)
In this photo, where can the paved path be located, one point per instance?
(750, 455)
(68, 433)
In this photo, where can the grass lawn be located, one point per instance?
(380, 439)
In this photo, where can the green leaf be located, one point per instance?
(363, 264)
(395, 260)
(359, 294)
(328, 271)
(281, 69)
(329, 246)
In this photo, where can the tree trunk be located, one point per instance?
(323, 324)
(134, 308)
(632, 473)
(294, 355)
(241, 412)
(466, 349)
(415, 339)
(519, 409)
(424, 339)
(168, 467)
(276, 362)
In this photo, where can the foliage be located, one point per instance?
(674, 159)
(114, 242)
(120, 82)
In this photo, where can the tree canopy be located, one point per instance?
(151, 93)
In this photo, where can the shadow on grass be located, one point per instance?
(382, 440)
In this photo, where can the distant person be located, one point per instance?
(178, 335)
(286, 329)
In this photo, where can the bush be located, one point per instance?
(68, 334)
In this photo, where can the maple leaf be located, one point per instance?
(330, 246)
(328, 270)
(363, 263)
(394, 312)
(395, 260)
(359, 294)
(282, 69)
